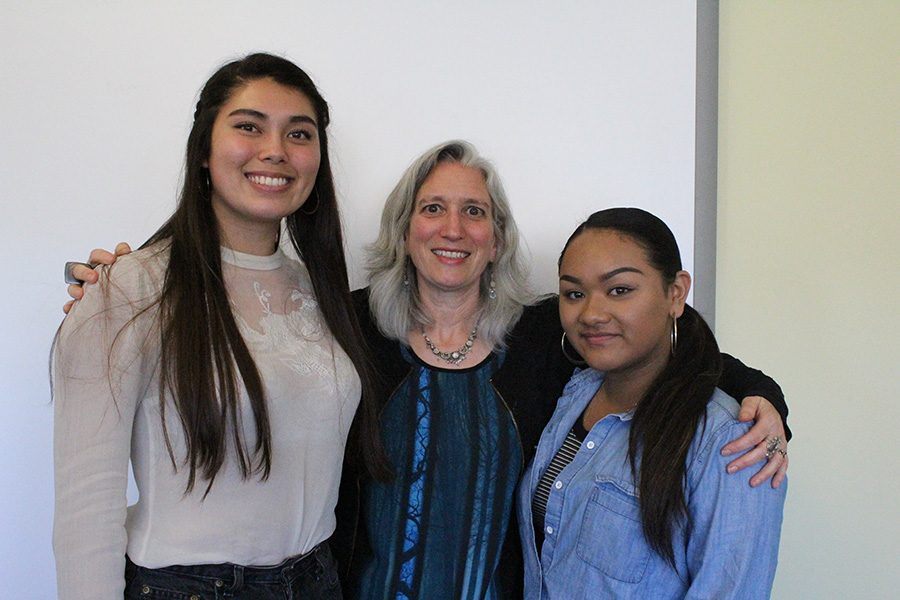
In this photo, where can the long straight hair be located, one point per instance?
(202, 368)
(674, 406)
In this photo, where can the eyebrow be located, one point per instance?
(605, 276)
(261, 115)
(477, 201)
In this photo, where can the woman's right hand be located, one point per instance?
(86, 274)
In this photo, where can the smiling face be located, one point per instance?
(264, 157)
(614, 306)
(451, 232)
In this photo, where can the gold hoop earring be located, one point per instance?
(673, 336)
(562, 344)
(315, 208)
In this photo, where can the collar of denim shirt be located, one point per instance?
(580, 390)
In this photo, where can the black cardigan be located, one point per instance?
(530, 381)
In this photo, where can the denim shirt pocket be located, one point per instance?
(611, 538)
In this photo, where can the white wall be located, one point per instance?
(582, 106)
(809, 269)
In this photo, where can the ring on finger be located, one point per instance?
(771, 453)
(70, 278)
(773, 445)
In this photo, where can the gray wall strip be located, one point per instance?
(706, 157)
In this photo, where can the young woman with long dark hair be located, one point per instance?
(628, 495)
(226, 372)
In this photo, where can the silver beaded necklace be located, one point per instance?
(454, 357)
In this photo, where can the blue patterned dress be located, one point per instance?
(437, 529)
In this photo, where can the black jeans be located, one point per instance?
(312, 576)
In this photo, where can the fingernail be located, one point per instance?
(732, 469)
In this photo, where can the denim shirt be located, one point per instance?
(594, 545)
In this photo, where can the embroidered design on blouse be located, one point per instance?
(264, 296)
(277, 333)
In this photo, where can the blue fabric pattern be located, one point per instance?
(437, 529)
(416, 486)
(594, 545)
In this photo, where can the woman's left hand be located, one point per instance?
(766, 438)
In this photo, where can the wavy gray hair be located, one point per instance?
(396, 306)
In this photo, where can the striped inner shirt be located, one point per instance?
(564, 456)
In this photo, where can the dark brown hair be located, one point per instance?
(203, 367)
(674, 406)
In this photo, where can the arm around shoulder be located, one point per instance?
(740, 381)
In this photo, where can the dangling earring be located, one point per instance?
(492, 287)
(406, 274)
(315, 208)
(562, 344)
(673, 336)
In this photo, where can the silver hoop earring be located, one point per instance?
(315, 208)
(673, 336)
(562, 344)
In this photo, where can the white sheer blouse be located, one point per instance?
(107, 411)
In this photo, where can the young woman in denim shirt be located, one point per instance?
(628, 495)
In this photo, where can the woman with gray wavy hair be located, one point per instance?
(470, 367)
(394, 296)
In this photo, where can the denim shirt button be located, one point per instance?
(558, 485)
(195, 597)
(219, 583)
(549, 530)
(145, 589)
(590, 445)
